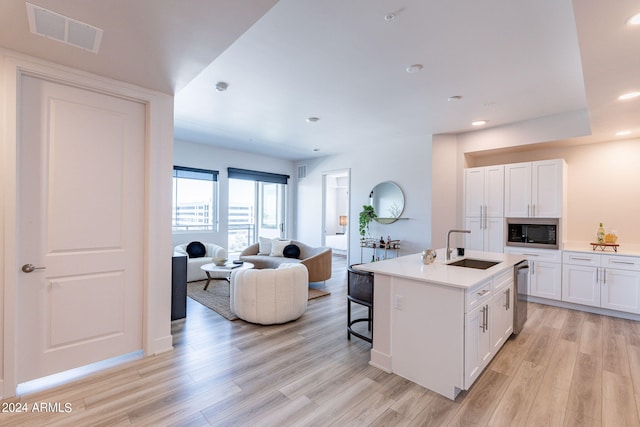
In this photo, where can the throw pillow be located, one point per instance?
(264, 246)
(277, 246)
(291, 251)
(196, 250)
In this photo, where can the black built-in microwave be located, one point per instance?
(533, 232)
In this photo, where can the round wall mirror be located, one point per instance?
(387, 201)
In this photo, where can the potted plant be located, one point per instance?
(366, 216)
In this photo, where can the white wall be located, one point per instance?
(447, 185)
(407, 163)
(214, 158)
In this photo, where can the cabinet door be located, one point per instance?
(620, 290)
(477, 352)
(501, 317)
(494, 235)
(545, 280)
(475, 239)
(494, 191)
(546, 189)
(580, 284)
(474, 191)
(517, 190)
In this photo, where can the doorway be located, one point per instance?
(336, 217)
(81, 227)
(154, 273)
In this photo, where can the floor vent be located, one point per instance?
(52, 25)
(302, 171)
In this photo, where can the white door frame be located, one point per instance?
(158, 166)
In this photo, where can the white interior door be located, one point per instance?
(81, 221)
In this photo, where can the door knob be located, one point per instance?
(28, 268)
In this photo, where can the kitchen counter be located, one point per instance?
(411, 267)
(628, 249)
(439, 325)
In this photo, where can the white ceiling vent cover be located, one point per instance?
(58, 27)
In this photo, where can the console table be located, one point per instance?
(379, 247)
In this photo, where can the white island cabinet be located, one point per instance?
(439, 325)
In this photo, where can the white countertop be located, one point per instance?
(628, 249)
(411, 267)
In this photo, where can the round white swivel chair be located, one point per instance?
(270, 296)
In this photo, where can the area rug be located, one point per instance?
(216, 297)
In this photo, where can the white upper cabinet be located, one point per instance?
(484, 191)
(534, 189)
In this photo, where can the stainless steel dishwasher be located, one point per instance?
(521, 285)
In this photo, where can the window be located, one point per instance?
(257, 206)
(194, 199)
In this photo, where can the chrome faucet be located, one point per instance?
(448, 254)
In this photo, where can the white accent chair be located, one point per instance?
(270, 296)
(194, 272)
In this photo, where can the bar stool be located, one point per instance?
(359, 291)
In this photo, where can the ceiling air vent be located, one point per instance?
(302, 171)
(58, 27)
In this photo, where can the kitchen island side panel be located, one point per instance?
(381, 348)
(427, 334)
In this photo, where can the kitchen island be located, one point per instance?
(439, 325)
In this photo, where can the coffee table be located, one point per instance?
(228, 268)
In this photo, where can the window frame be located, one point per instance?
(183, 172)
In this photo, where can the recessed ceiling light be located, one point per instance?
(312, 119)
(479, 123)
(623, 133)
(390, 16)
(629, 95)
(414, 68)
(634, 20)
(221, 86)
(454, 98)
(316, 150)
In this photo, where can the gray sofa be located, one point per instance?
(317, 260)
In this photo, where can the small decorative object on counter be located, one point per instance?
(428, 256)
(600, 234)
(611, 237)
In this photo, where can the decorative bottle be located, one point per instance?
(600, 234)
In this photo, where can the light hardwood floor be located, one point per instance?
(565, 368)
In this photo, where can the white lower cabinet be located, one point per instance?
(580, 284)
(602, 280)
(545, 279)
(502, 315)
(545, 271)
(488, 323)
(621, 290)
(477, 342)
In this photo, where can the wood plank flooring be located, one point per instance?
(565, 368)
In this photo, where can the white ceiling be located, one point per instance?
(343, 62)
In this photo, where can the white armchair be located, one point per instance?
(194, 272)
(270, 296)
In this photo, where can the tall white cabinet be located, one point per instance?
(534, 189)
(484, 207)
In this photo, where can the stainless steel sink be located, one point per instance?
(480, 264)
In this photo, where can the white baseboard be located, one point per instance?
(160, 345)
(587, 308)
(380, 360)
